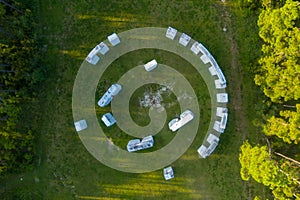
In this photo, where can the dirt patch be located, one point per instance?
(235, 87)
(235, 74)
(153, 98)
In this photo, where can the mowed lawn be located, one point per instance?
(63, 168)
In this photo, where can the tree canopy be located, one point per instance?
(286, 127)
(19, 76)
(257, 163)
(279, 76)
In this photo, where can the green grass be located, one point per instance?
(63, 167)
(140, 114)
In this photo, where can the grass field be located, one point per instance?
(138, 113)
(63, 167)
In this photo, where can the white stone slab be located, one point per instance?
(150, 65)
(103, 48)
(219, 84)
(224, 121)
(220, 111)
(204, 59)
(114, 39)
(195, 48)
(222, 98)
(184, 39)
(80, 125)
(212, 138)
(171, 33)
(168, 173)
(212, 70)
(217, 127)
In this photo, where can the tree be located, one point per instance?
(272, 3)
(286, 127)
(279, 76)
(250, 4)
(11, 6)
(19, 75)
(7, 33)
(288, 158)
(258, 164)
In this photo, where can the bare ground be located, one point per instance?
(235, 88)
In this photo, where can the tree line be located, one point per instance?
(278, 75)
(20, 73)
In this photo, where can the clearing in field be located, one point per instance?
(95, 139)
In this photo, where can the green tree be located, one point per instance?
(11, 6)
(272, 3)
(20, 72)
(279, 75)
(249, 4)
(286, 126)
(256, 163)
